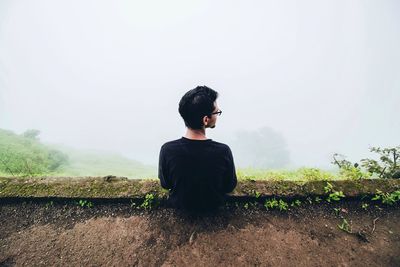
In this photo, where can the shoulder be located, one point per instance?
(170, 144)
(222, 146)
(179, 142)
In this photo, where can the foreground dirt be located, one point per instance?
(64, 234)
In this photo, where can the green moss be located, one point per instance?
(97, 187)
(86, 187)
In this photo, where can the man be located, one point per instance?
(197, 171)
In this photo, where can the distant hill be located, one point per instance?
(100, 163)
(24, 155)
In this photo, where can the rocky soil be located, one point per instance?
(63, 233)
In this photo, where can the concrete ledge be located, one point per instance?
(120, 187)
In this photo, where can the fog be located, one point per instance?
(321, 76)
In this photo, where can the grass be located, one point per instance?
(95, 165)
(92, 163)
(102, 163)
(301, 174)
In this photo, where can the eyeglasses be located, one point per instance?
(219, 112)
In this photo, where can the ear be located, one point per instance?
(205, 120)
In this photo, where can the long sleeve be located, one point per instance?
(163, 171)
(230, 179)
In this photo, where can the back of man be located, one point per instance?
(197, 170)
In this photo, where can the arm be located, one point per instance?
(230, 179)
(163, 171)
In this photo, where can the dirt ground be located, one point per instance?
(114, 234)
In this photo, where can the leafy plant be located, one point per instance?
(345, 226)
(336, 210)
(333, 195)
(387, 198)
(49, 204)
(364, 206)
(318, 199)
(296, 203)
(282, 205)
(388, 165)
(85, 203)
(271, 203)
(328, 188)
(348, 169)
(309, 199)
(257, 194)
(150, 201)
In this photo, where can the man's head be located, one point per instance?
(196, 108)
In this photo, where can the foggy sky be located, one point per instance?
(108, 75)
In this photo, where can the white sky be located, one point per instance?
(109, 74)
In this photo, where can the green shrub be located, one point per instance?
(333, 195)
(313, 174)
(388, 165)
(24, 155)
(85, 203)
(349, 170)
(149, 202)
(271, 203)
(387, 198)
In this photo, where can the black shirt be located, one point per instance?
(197, 172)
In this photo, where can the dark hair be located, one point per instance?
(196, 104)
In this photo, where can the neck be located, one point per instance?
(196, 134)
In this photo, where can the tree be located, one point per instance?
(31, 134)
(56, 159)
(389, 165)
